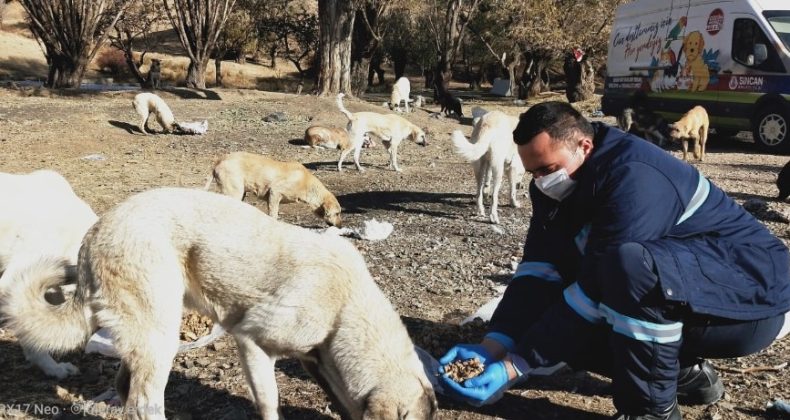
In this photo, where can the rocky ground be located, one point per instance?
(439, 265)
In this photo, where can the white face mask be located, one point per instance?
(556, 185)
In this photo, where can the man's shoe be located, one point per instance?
(699, 385)
(672, 413)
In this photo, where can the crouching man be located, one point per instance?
(635, 266)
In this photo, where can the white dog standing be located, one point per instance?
(280, 290)
(400, 92)
(41, 219)
(146, 104)
(492, 148)
(390, 128)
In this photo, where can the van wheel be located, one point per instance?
(771, 130)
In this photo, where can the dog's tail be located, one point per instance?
(43, 309)
(343, 108)
(470, 151)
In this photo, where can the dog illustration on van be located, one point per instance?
(733, 58)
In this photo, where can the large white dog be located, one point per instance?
(492, 149)
(400, 93)
(147, 104)
(390, 128)
(280, 290)
(41, 219)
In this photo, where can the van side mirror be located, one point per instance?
(760, 54)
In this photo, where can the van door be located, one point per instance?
(742, 74)
(748, 75)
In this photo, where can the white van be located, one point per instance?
(731, 57)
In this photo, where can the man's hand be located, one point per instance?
(488, 351)
(489, 386)
(464, 352)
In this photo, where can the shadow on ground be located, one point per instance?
(402, 201)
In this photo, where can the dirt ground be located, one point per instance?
(440, 264)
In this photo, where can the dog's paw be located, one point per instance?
(62, 370)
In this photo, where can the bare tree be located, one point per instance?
(237, 37)
(449, 32)
(366, 41)
(133, 30)
(198, 24)
(71, 32)
(336, 23)
(290, 30)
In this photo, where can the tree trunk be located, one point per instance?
(218, 67)
(336, 22)
(579, 79)
(66, 72)
(376, 70)
(514, 67)
(196, 75)
(399, 57)
(587, 87)
(363, 49)
(272, 56)
(428, 74)
(359, 75)
(442, 75)
(133, 67)
(537, 81)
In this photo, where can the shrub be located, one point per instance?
(111, 62)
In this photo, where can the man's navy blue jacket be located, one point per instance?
(712, 256)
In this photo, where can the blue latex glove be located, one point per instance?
(464, 352)
(487, 388)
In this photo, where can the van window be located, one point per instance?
(780, 22)
(746, 33)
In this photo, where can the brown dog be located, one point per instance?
(241, 172)
(692, 127)
(317, 136)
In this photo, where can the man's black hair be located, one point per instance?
(559, 120)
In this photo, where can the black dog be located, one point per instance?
(783, 182)
(155, 74)
(646, 124)
(448, 102)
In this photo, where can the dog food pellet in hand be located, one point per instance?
(461, 370)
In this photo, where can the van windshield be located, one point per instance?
(780, 21)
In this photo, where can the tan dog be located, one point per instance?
(390, 128)
(491, 150)
(317, 136)
(693, 46)
(147, 104)
(692, 127)
(242, 172)
(280, 290)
